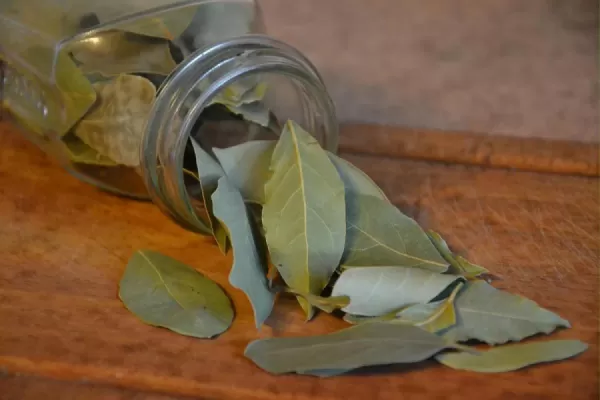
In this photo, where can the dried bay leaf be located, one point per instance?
(377, 343)
(493, 316)
(116, 52)
(115, 126)
(327, 304)
(458, 265)
(249, 261)
(433, 317)
(375, 291)
(169, 25)
(513, 357)
(378, 234)
(209, 173)
(355, 180)
(304, 214)
(164, 292)
(81, 153)
(247, 167)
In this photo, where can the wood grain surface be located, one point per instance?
(64, 245)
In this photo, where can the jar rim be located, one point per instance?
(163, 147)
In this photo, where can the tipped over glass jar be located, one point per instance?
(114, 90)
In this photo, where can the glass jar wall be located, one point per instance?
(114, 90)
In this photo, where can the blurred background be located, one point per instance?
(513, 67)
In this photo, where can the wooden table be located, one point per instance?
(527, 210)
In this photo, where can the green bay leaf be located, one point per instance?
(458, 265)
(81, 153)
(513, 357)
(355, 180)
(114, 52)
(434, 317)
(375, 291)
(209, 173)
(168, 25)
(493, 316)
(327, 304)
(377, 343)
(164, 292)
(304, 214)
(249, 261)
(247, 167)
(116, 125)
(378, 234)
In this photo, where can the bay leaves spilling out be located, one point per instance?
(355, 180)
(247, 167)
(378, 234)
(115, 125)
(249, 261)
(303, 215)
(115, 52)
(377, 343)
(493, 316)
(81, 153)
(458, 265)
(375, 291)
(164, 292)
(209, 173)
(513, 357)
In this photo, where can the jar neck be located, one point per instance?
(193, 85)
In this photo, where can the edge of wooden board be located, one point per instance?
(486, 150)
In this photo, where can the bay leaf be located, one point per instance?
(115, 126)
(164, 292)
(355, 180)
(493, 316)
(52, 105)
(81, 153)
(327, 304)
(376, 291)
(115, 52)
(362, 345)
(378, 234)
(434, 317)
(209, 173)
(167, 25)
(458, 265)
(255, 112)
(249, 261)
(513, 357)
(247, 167)
(304, 214)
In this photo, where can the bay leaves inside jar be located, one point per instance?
(116, 52)
(115, 126)
(81, 153)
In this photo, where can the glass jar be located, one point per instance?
(114, 90)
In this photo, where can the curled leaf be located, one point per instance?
(163, 292)
(247, 167)
(116, 52)
(513, 357)
(209, 173)
(458, 265)
(378, 234)
(302, 216)
(249, 261)
(493, 316)
(362, 345)
(327, 304)
(115, 126)
(376, 291)
(80, 152)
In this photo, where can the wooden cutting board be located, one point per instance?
(64, 245)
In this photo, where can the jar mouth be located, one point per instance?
(195, 84)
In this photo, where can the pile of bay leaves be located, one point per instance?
(305, 222)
